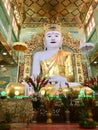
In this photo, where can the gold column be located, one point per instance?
(79, 69)
(27, 65)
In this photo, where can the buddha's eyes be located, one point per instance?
(56, 35)
(49, 36)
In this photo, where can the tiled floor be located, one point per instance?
(48, 127)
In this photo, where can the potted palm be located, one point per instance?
(37, 83)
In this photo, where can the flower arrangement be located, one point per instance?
(37, 83)
(36, 100)
(92, 83)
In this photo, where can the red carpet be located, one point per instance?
(49, 127)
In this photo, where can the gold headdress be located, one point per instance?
(52, 27)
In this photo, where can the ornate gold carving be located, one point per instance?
(79, 69)
(27, 65)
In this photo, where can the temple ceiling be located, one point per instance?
(39, 12)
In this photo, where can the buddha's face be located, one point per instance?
(53, 39)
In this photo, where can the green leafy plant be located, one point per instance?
(68, 99)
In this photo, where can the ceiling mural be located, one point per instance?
(36, 14)
(66, 12)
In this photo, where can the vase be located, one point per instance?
(34, 118)
(67, 116)
(49, 116)
(90, 114)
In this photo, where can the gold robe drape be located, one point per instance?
(60, 64)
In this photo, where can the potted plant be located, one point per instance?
(86, 115)
(66, 100)
(85, 122)
(37, 83)
(49, 104)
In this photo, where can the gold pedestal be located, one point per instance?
(90, 115)
(49, 117)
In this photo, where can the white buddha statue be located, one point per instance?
(56, 64)
(53, 62)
